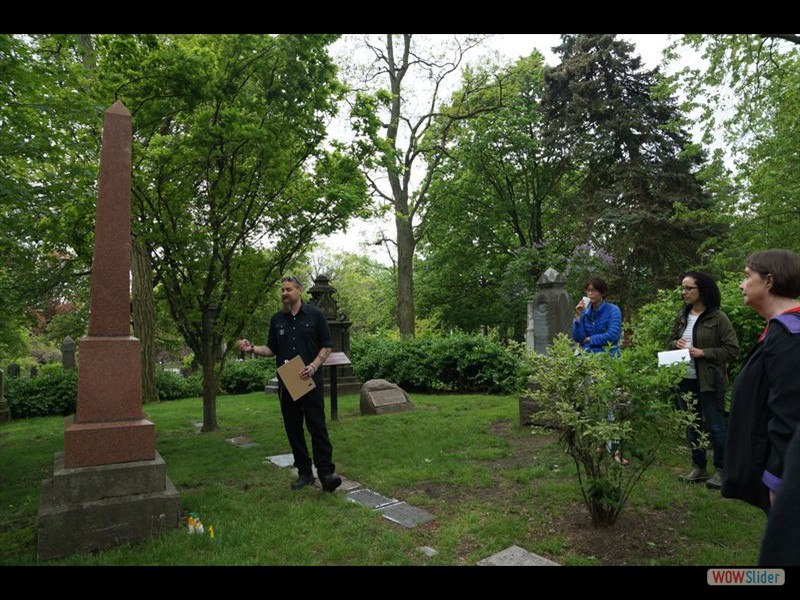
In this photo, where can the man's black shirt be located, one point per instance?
(304, 334)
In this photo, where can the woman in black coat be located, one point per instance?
(765, 410)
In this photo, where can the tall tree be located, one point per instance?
(228, 155)
(404, 158)
(501, 209)
(364, 289)
(628, 137)
(48, 158)
(748, 97)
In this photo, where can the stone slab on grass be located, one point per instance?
(406, 515)
(282, 460)
(514, 556)
(370, 498)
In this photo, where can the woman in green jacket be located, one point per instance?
(707, 333)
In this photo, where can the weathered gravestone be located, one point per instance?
(550, 312)
(5, 412)
(379, 397)
(13, 370)
(109, 486)
(34, 372)
(68, 353)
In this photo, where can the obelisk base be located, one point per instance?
(104, 443)
(96, 508)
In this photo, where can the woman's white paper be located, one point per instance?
(670, 357)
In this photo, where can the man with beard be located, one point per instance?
(301, 329)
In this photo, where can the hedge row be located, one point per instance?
(454, 363)
(247, 376)
(55, 390)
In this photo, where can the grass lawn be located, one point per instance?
(490, 483)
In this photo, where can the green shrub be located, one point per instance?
(193, 385)
(53, 367)
(243, 377)
(597, 401)
(54, 392)
(173, 386)
(455, 363)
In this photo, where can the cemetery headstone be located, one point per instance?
(550, 312)
(379, 397)
(68, 353)
(13, 370)
(109, 486)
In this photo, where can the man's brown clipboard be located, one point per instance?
(289, 373)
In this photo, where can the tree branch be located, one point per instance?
(789, 37)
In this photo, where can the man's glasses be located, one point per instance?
(292, 280)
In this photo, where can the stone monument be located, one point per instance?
(550, 312)
(322, 297)
(109, 486)
(5, 412)
(13, 370)
(68, 353)
(379, 397)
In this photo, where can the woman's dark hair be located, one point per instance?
(783, 265)
(707, 288)
(598, 284)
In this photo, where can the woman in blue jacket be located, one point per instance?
(599, 324)
(597, 327)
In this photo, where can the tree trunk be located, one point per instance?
(207, 360)
(144, 319)
(405, 276)
(86, 46)
(209, 394)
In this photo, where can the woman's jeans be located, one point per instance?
(713, 420)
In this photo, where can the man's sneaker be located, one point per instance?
(715, 481)
(303, 481)
(696, 476)
(330, 482)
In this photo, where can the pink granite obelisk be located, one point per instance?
(110, 485)
(109, 426)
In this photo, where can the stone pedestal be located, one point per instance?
(529, 411)
(109, 426)
(96, 508)
(272, 386)
(346, 381)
